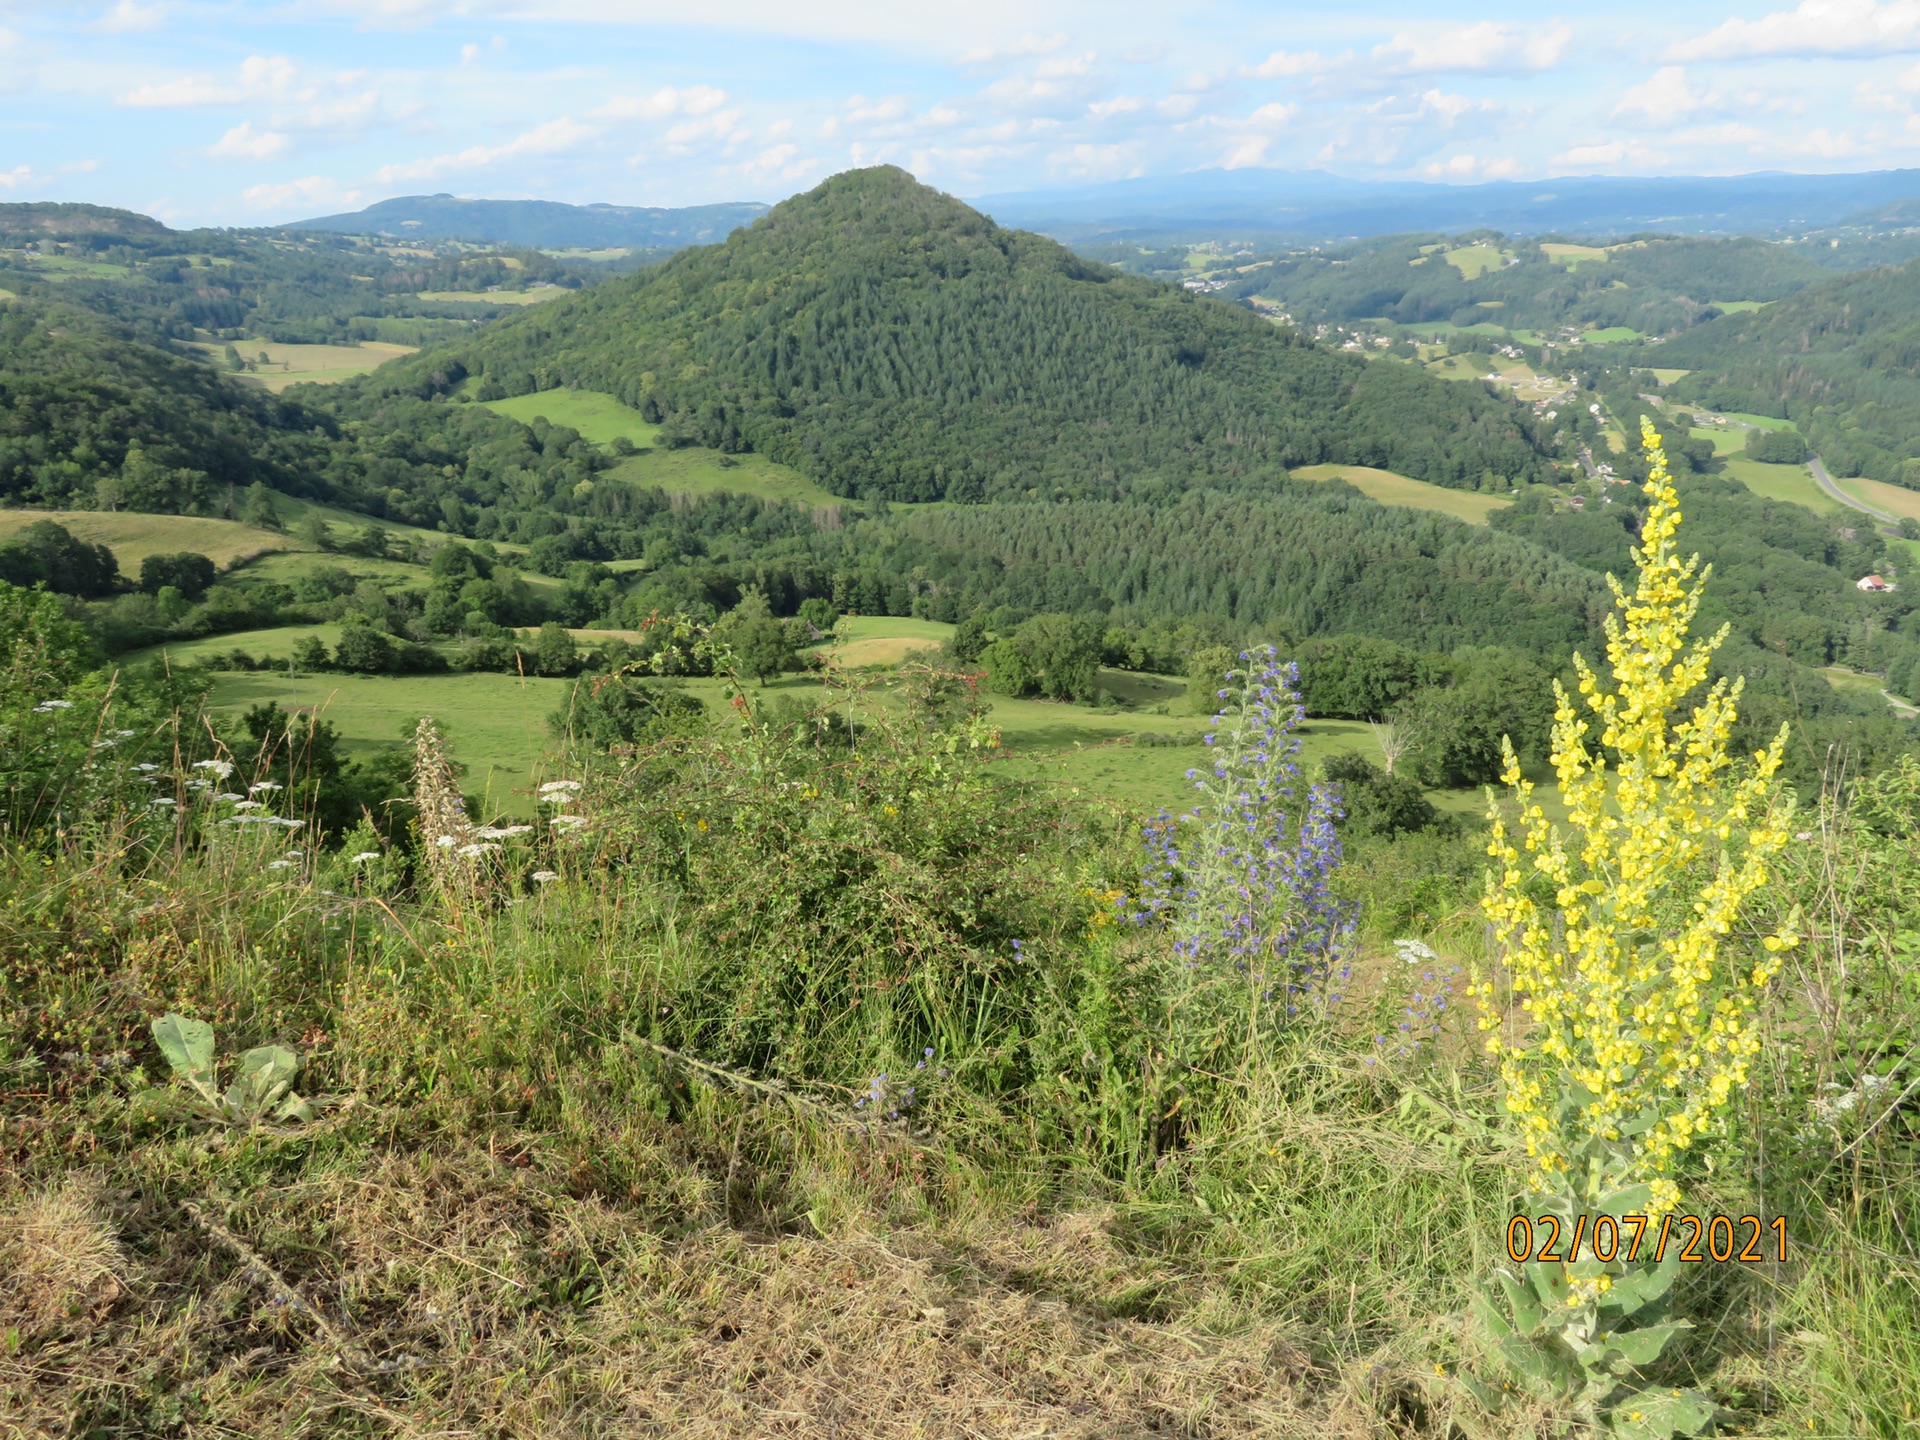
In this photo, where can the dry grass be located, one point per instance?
(132, 537)
(468, 1293)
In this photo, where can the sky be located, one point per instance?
(249, 112)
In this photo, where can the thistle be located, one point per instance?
(1617, 942)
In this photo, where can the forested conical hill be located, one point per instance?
(892, 343)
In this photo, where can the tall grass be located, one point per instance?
(627, 1126)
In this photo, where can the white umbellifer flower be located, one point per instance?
(558, 787)
(124, 734)
(260, 785)
(146, 769)
(164, 800)
(1416, 952)
(445, 842)
(283, 821)
(479, 847)
(543, 876)
(247, 805)
(252, 819)
(281, 865)
(501, 832)
(295, 854)
(229, 795)
(570, 822)
(222, 768)
(47, 707)
(363, 857)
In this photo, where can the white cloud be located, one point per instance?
(1119, 105)
(243, 142)
(469, 53)
(1663, 99)
(1486, 46)
(1282, 65)
(18, 176)
(1023, 48)
(780, 162)
(551, 138)
(664, 104)
(315, 192)
(260, 77)
(1474, 167)
(128, 16)
(724, 126)
(1607, 155)
(1050, 83)
(1814, 27)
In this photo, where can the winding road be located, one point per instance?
(1825, 481)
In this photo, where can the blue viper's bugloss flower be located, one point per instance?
(1241, 886)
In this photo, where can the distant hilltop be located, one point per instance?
(544, 224)
(48, 218)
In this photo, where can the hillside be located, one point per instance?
(1655, 286)
(891, 343)
(541, 222)
(1840, 360)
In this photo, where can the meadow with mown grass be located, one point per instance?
(792, 1063)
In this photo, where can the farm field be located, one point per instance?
(884, 640)
(273, 644)
(1667, 375)
(1612, 335)
(1574, 256)
(1894, 499)
(133, 537)
(1391, 489)
(1739, 307)
(689, 470)
(598, 417)
(496, 725)
(305, 364)
(1791, 483)
(1473, 261)
(498, 297)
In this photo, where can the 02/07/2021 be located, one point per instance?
(1606, 1238)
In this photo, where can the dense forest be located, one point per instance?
(889, 342)
(1842, 361)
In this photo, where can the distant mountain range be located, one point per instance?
(1315, 205)
(542, 223)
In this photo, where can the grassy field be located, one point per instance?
(306, 364)
(1574, 256)
(497, 297)
(496, 725)
(597, 416)
(1896, 500)
(1391, 489)
(1611, 335)
(1666, 376)
(273, 644)
(132, 537)
(1791, 483)
(688, 470)
(1469, 366)
(884, 640)
(1740, 307)
(1473, 261)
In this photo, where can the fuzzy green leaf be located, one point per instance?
(1661, 1415)
(188, 1046)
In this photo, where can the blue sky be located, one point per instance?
(236, 112)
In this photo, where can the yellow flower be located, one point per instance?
(1630, 1002)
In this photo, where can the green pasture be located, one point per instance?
(1391, 489)
(1792, 483)
(496, 297)
(1574, 256)
(132, 536)
(495, 725)
(1473, 261)
(1667, 375)
(275, 643)
(598, 417)
(1739, 307)
(1896, 500)
(1612, 335)
(304, 364)
(688, 470)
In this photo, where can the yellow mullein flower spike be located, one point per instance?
(1636, 1021)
